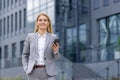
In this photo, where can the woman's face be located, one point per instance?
(43, 22)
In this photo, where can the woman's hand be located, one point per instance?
(55, 47)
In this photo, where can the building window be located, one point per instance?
(8, 24)
(16, 21)
(11, 2)
(6, 52)
(0, 27)
(0, 53)
(118, 18)
(7, 3)
(4, 2)
(43, 2)
(0, 5)
(14, 55)
(113, 29)
(4, 25)
(15, 1)
(14, 50)
(12, 23)
(24, 18)
(36, 3)
(105, 2)
(0, 56)
(6, 55)
(109, 33)
(82, 41)
(83, 33)
(71, 44)
(103, 32)
(20, 20)
(116, 0)
(21, 47)
(84, 6)
(30, 5)
(96, 4)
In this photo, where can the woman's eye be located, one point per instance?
(40, 19)
(43, 20)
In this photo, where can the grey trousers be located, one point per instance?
(39, 74)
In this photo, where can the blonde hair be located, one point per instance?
(49, 28)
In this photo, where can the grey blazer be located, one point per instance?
(30, 53)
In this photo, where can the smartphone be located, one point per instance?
(56, 41)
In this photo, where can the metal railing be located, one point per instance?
(110, 72)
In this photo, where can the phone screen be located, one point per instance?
(56, 41)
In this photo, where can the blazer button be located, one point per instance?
(44, 58)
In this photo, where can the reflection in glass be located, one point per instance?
(0, 27)
(83, 33)
(30, 5)
(71, 44)
(42, 2)
(82, 41)
(103, 32)
(108, 36)
(51, 14)
(0, 5)
(113, 29)
(103, 38)
(36, 3)
(4, 26)
(0, 54)
(118, 18)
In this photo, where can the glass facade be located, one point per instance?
(70, 16)
(4, 4)
(116, 0)
(11, 2)
(8, 3)
(24, 19)
(0, 27)
(14, 55)
(6, 56)
(20, 19)
(71, 43)
(16, 21)
(4, 25)
(0, 56)
(12, 23)
(8, 23)
(0, 5)
(109, 34)
(21, 46)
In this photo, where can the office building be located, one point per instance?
(88, 30)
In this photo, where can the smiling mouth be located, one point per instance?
(42, 25)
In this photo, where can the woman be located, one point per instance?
(40, 51)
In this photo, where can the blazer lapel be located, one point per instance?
(36, 42)
(47, 41)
